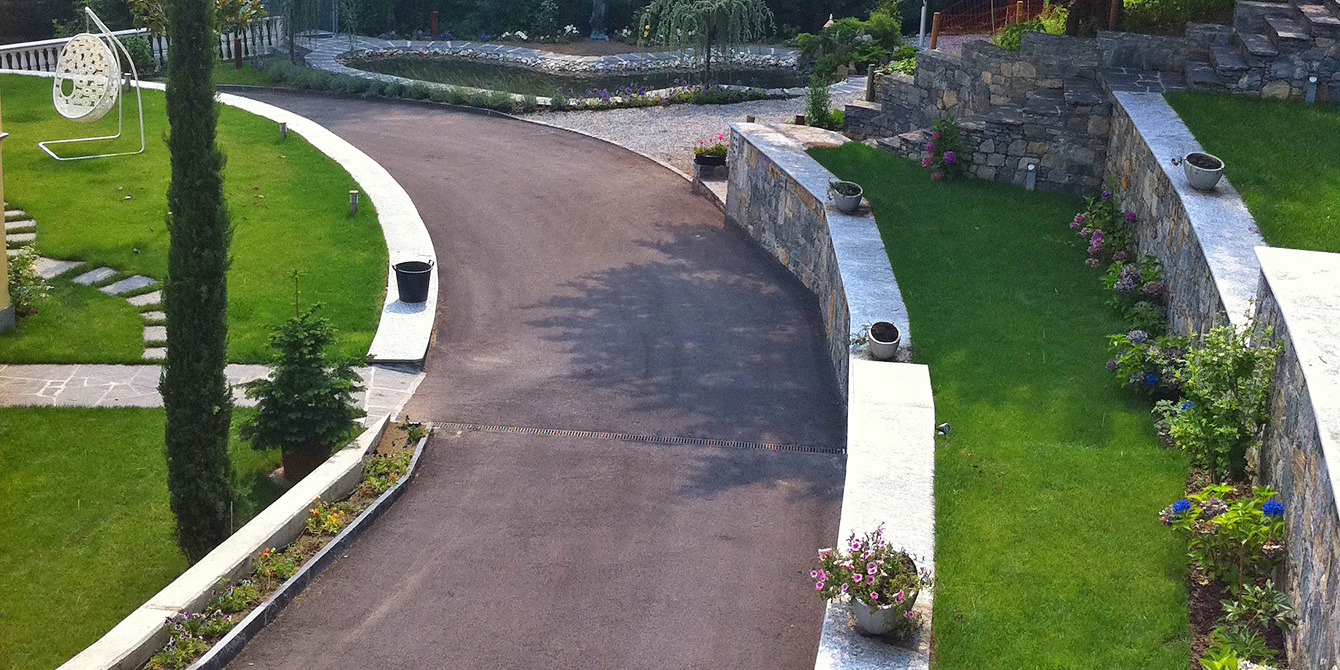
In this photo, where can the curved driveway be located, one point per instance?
(584, 288)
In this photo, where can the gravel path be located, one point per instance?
(668, 133)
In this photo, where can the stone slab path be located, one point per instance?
(387, 387)
(586, 291)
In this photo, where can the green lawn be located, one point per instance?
(288, 202)
(58, 333)
(1283, 156)
(87, 533)
(1049, 553)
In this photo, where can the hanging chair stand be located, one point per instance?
(91, 64)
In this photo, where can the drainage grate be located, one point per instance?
(645, 439)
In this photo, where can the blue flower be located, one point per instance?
(1186, 405)
(1272, 508)
(1151, 379)
(1107, 194)
(1137, 337)
(1181, 506)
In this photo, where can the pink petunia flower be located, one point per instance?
(871, 569)
(898, 597)
(814, 574)
(818, 586)
(874, 595)
(857, 578)
(844, 588)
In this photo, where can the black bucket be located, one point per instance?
(411, 279)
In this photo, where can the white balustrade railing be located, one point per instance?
(261, 38)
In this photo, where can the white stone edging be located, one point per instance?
(404, 329)
(132, 641)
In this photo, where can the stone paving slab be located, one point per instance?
(132, 283)
(155, 354)
(15, 214)
(19, 225)
(155, 333)
(95, 275)
(53, 267)
(389, 388)
(146, 299)
(153, 316)
(20, 238)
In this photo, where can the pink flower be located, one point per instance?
(910, 615)
(818, 586)
(721, 136)
(1074, 225)
(857, 578)
(937, 175)
(1130, 216)
(1119, 256)
(874, 595)
(926, 162)
(935, 135)
(898, 597)
(814, 574)
(930, 146)
(844, 588)
(871, 569)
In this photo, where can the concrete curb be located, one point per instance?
(132, 641)
(231, 644)
(405, 329)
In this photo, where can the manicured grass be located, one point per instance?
(87, 532)
(60, 331)
(1283, 156)
(1049, 553)
(288, 203)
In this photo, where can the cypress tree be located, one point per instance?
(194, 387)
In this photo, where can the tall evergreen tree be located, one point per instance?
(195, 390)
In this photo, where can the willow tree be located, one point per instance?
(706, 23)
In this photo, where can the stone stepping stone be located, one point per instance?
(155, 353)
(153, 316)
(20, 239)
(12, 252)
(11, 214)
(20, 225)
(95, 275)
(53, 267)
(155, 334)
(146, 299)
(132, 283)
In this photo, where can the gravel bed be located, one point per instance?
(669, 133)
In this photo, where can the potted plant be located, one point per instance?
(846, 195)
(883, 339)
(711, 152)
(304, 407)
(1203, 171)
(880, 583)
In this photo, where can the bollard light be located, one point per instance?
(1031, 177)
(283, 131)
(353, 202)
(1310, 91)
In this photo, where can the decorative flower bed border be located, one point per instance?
(541, 61)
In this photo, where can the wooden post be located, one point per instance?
(1112, 15)
(935, 30)
(434, 23)
(1019, 11)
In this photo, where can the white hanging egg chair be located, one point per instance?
(92, 73)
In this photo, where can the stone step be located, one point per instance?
(153, 316)
(94, 276)
(155, 334)
(155, 353)
(146, 299)
(48, 268)
(1257, 45)
(132, 283)
(1320, 21)
(12, 214)
(1202, 76)
(15, 240)
(1226, 61)
(1287, 31)
(20, 225)
(12, 252)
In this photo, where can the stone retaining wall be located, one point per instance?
(1299, 298)
(1204, 240)
(777, 194)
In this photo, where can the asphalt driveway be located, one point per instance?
(584, 288)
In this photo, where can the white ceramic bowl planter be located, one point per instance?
(1202, 170)
(883, 339)
(873, 620)
(846, 195)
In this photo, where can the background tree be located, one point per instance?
(195, 391)
(705, 23)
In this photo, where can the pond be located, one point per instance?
(526, 81)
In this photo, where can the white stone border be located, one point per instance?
(404, 330)
(132, 641)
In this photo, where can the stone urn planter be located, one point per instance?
(880, 620)
(883, 339)
(1203, 171)
(846, 195)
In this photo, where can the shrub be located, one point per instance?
(1107, 229)
(1169, 17)
(1225, 384)
(27, 289)
(1234, 539)
(141, 54)
(1147, 363)
(304, 406)
(869, 570)
(853, 41)
(1260, 607)
(1136, 289)
(944, 150)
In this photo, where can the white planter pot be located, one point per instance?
(847, 204)
(874, 620)
(1206, 175)
(883, 338)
